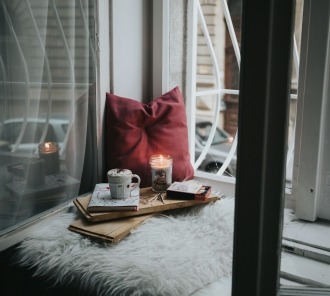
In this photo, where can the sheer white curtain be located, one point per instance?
(47, 96)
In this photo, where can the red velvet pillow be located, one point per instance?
(135, 131)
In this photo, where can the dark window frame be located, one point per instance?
(267, 30)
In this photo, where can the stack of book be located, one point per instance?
(112, 219)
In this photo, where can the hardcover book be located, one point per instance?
(101, 200)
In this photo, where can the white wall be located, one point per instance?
(131, 44)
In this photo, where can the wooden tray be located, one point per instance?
(111, 231)
(82, 203)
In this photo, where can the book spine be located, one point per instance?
(180, 195)
(203, 193)
(97, 209)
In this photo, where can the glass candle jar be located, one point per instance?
(49, 153)
(161, 172)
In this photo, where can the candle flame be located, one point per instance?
(161, 158)
(46, 145)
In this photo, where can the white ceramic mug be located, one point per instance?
(120, 182)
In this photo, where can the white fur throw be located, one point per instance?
(174, 254)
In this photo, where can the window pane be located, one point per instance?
(47, 72)
(203, 131)
(217, 84)
(224, 32)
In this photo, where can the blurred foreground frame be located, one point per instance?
(267, 33)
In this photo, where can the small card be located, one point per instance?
(183, 190)
(185, 187)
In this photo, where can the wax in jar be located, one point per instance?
(161, 172)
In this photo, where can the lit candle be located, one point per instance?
(49, 152)
(161, 172)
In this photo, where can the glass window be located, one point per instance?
(216, 64)
(47, 75)
(214, 88)
(203, 132)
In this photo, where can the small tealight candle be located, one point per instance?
(49, 153)
(161, 172)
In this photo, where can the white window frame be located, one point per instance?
(311, 175)
(161, 48)
(102, 42)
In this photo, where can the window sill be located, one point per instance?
(26, 228)
(306, 253)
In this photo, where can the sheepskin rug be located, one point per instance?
(172, 254)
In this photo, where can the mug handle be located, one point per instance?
(139, 181)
